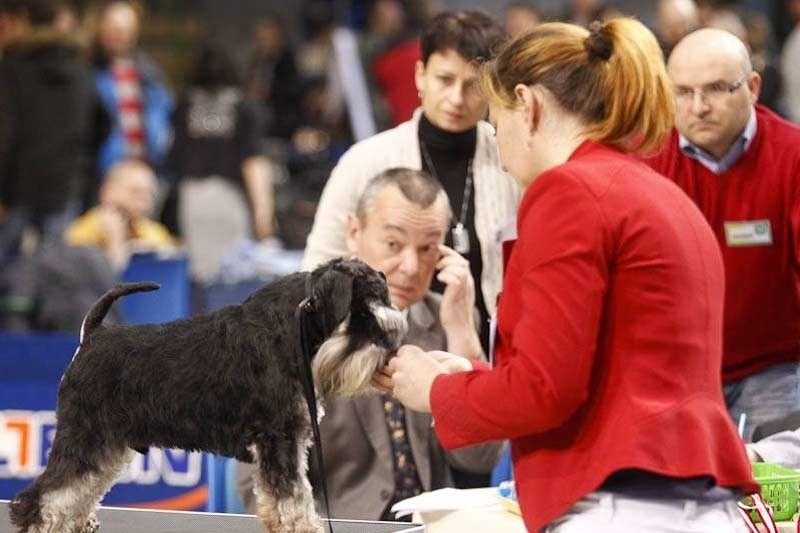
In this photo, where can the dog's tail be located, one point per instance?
(24, 508)
(99, 310)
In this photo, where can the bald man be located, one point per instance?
(674, 20)
(741, 165)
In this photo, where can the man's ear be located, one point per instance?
(754, 84)
(352, 233)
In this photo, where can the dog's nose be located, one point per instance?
(389, 354)
(393, 323)
(399, 332)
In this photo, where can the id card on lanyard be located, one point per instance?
(492, 337)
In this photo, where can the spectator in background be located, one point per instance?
(316, 64)
(766, 60)
(582, 12)
(728, 20)
(705, 8)
(224, 181)
(741, 164)
(67, 19)
(520, 16)
(375, 452)
(272, 79)
(132, 91)
(389, 50)
(609, 11)
(51, 290)
(313, 56)
(50, 117)
(13, 21)
(675, 19)
(386, 22)
(790, 59)
(310, 158)
(119, 225)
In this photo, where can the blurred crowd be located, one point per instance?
(100, 158)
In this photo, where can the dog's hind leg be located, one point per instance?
(113, 466)
(284, 498)
(73, 484)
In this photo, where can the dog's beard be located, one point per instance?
(337, 373)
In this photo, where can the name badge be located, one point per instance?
(748, 233)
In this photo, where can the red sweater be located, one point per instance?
(762, 297)
(609, 340)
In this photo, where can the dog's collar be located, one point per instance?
(308, 303)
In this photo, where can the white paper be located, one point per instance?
(446, 500)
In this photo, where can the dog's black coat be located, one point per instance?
(217, 382)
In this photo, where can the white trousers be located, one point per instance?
(213, 216)
(605, 512)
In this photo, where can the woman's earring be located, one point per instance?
(419, 93)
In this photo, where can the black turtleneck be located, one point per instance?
(451, 154)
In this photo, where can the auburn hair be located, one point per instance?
(611, 76)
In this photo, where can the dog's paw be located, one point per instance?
(308, 528)
(305, 524)
(92, 525)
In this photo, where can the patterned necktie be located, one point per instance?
(406, 477)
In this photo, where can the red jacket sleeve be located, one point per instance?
(560, 273)
(795, 228)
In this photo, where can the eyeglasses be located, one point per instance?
(709, 92)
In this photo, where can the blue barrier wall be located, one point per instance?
(169, 302)
(31, 366)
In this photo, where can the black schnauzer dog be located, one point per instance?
(228, 382)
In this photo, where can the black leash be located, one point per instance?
(301, 315)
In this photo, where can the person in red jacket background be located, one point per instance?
(740, 163)
(609, 338)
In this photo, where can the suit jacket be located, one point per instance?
(356, 447)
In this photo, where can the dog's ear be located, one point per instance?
(335, 288)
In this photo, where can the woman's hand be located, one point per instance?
(452, 363)
(413, 372)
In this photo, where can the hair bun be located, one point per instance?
(598, 44)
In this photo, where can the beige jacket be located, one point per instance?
(496, 197)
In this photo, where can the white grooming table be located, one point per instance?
(120, 520)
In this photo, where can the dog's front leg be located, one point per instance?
(284, 498)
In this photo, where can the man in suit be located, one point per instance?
(376, 452)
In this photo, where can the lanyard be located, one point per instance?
(301, 315)
(459, 233)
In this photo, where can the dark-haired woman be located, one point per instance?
(225, 190)
(607, 376)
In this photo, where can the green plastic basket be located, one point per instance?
(779, 488)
